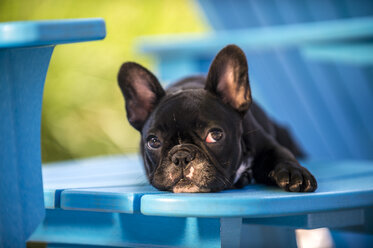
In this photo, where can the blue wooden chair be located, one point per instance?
(106, 201)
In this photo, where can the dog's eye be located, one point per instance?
(153, 142)
(214, 136)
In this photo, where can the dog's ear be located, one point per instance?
(228, 78)
(141, 91)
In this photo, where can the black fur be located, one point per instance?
(197, 133)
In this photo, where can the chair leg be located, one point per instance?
(267, 236)
(230, 232)
(22, 75)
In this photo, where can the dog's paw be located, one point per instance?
(293, 177)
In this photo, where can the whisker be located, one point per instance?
(224, 180)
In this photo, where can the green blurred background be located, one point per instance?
(83, 110)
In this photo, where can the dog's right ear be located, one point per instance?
(141, 91)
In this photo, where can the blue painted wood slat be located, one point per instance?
(347, 180)
(50, 32)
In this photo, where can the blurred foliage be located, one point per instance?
(83, 110)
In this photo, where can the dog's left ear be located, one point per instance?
(228, 78)
(141, 90)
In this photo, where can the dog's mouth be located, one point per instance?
(191, 182)
(185, 182)
(187, 186)
(197, 178)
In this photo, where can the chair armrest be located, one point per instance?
(36, 33)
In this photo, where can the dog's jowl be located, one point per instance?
(206, 134)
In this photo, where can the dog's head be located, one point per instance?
(191, 139)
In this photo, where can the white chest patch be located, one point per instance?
(243, 167)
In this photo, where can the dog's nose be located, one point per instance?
(182, 157)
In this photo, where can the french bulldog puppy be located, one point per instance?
(207, 134)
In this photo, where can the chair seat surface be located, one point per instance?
(87, 173)
(118, 184)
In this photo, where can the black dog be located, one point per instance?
(206, 134)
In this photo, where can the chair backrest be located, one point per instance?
(307, 84)
(326, 103)
(237, 14)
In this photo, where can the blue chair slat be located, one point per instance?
(340, 127)
(51, 198)
(353, 8)
(268, 37)
(360, 99)
(108, 199)
(301, 79)
(343, 108)
(52, 32)
(299, 90)
(228, 15)
(267, 13)
(93, 171)
(274, 91)
(330, 10)
(351, 54)
(25, 51)
(232, 15)
(105, 171)
(360, 137)
(303, 99)
(350, 187)
(257, 71)
(218, 12)
(286, 13)
(330, 85)
(94, 180)
(223, 17)
(212, 16)
(253, 17)
(260, 96)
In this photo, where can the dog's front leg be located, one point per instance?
(276, 165)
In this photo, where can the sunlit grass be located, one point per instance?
(83, 110)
